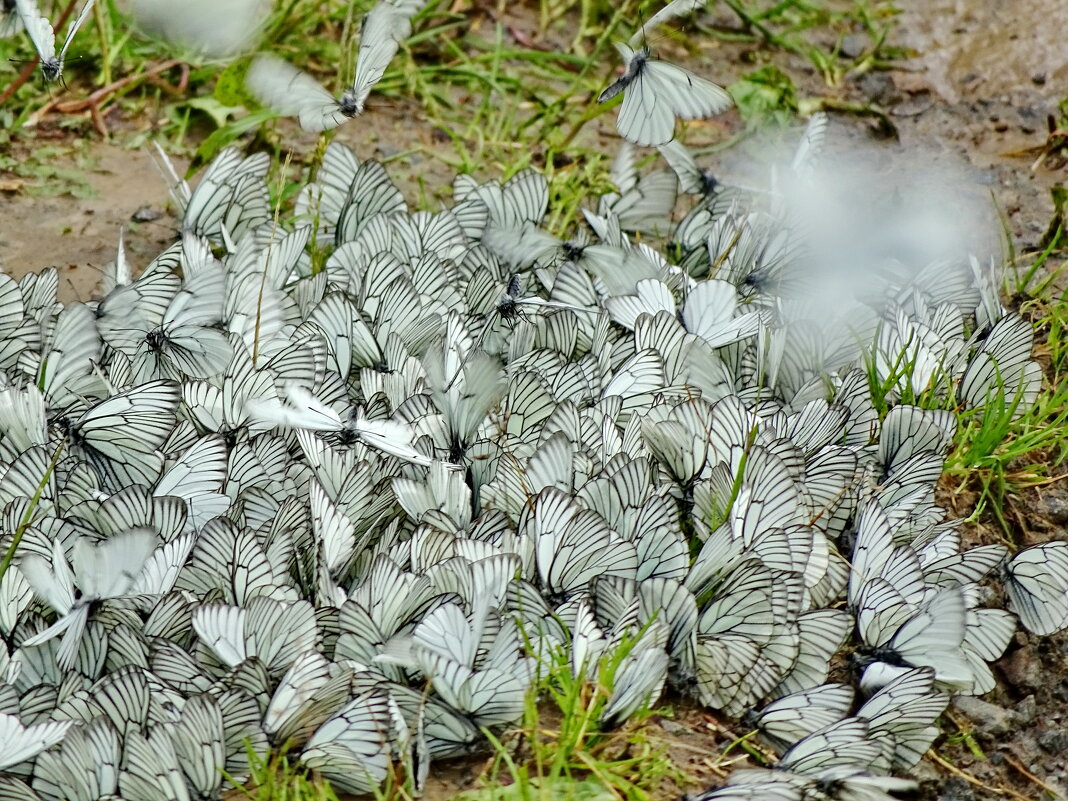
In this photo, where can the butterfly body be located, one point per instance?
(637, 63)
(44, 36)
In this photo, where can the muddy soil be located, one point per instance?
(984, 78)
(78, 236)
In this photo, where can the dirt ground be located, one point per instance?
(985, 76)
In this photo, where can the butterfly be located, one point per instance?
(657, 92)
(44, 37)
(98, 572)
(1036, 581)
(292, 92)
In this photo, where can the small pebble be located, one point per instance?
(993, 720)
(1055, 742)
(1026, 710)
(146, 214)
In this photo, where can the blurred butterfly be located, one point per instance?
(44, 36)
(97, 572)
(10, 22)
(292, 92)
(19, 743)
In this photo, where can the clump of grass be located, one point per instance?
(792, 25)
(275, 778)
(561, 751)
(1005, 447)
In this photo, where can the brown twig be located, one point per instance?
(946, 764)
(1030, 776)
(93, 102)
(73, 106)
(24, 76)
(27, 71)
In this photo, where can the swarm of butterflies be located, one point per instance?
(347, 485)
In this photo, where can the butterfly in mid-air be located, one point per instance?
(291, 92)
(657, 92)
(44, 36)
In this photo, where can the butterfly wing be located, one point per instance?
(293, 93)
(645, 117)
(39, 28)
(384, 28)
(10, 21)
(688, 96)
(82, 16)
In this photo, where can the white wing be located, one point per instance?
(300, 409)
(673, 10)
(293, 93)
(222, 628)
(394, 438)
(10, 21)
(682, 162)
(39, 28)
(690, 97)
(160, 571)
(108, 569)
(384, 28)
(82, 16)
(334, 532)
(19, 743)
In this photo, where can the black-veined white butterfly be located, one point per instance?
(901, 716)
(84, 767)
(230, 199)
(657, 92)
(1002, 370)
(295, 93)
(898, 634)
(796, 716)
(692, 179)
(120, 436)
(1036, 581)
(352, 748)
(44, 36)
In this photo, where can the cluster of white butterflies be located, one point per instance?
(346, 484)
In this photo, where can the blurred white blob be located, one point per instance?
(871, 224)
(214, 28)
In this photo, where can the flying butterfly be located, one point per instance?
(44, 36)
(657, 92)
(292, 92)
